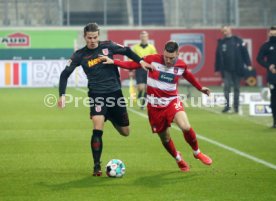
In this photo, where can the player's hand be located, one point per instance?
(106, 59)
(146, 66)
(272, 68)
(206, 91)
(61, 102)
(250, 68)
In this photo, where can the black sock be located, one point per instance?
(144, 99)
(96, 145)
(140, 94)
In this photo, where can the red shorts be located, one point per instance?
(161, 118)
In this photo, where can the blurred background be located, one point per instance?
(37, 37)
(169, 13)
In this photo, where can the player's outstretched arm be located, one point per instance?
(206, 91)
(130, 65)
(62, 85)
(190, 77)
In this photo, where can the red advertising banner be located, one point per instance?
(197, 47)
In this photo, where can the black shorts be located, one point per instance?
(111, 105)
(141, 76)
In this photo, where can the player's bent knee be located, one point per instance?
(125, 131)
(186, 128)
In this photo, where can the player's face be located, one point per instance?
(92, 39)
(170, 58)
(226, 31)
(144, 38)
(272, 33)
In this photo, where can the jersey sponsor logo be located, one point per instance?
(93, 62)
(166, 77)
(16, 40)
(175, 70)
(191, 49)
(105, 51)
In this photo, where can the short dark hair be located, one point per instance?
(171, 46)
(225, 25)
(91, 27)
(273, 28)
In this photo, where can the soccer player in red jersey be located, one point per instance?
(164, 105)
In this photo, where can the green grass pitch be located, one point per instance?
(45, 155)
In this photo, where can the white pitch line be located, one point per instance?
(240, 153)
(236, 151)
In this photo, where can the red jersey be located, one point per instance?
(162, 81)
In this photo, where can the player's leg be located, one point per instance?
(97, 142)
(144, 82)
(123, 130)
(118, 115)
(226, 89)
(273, 103)
(168, 142)
(236, 83)
(142, 94)
(141, 80)
(169, 146)
(97, 115)
(140, 88)
(183, 123)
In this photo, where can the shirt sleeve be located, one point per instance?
(245, 54)
(261, 58)
(130, 65)
(122, 50)
(218, 59)
(190, 77)
(73, 62)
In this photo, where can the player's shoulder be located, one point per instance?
(153, 58)
(151, 46)
(105, 42)
(109, 43)
(180, 64)
(136, 45)
(237, 38)
(81, 50)
(78, 53)
(266, 45)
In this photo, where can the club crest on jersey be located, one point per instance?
(105, 51)
(98, 108)
(175, 70)
(191, 49)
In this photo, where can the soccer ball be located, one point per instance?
(115, 168)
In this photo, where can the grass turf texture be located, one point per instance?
(45, 155)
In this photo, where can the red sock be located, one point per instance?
(190, 137)
(169, 146)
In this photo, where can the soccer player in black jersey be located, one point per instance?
(103, 84)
